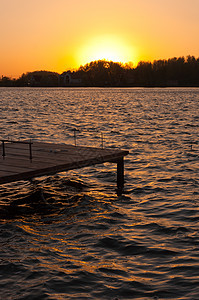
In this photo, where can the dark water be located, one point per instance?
(69, 236)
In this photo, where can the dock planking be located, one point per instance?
(26, 160)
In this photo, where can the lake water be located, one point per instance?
(69, 236)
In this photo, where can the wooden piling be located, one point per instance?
(120, 176)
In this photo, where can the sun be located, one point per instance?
(106, 47)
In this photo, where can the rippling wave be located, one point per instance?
(69, 236)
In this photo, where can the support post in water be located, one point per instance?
(120, 176)
(30, 150)
(3, 146)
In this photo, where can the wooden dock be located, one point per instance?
(24, 160)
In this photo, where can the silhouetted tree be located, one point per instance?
(102, 73)
(175, 71)
(6, 81)
(38, 78)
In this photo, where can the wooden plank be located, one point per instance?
(60, 157)
(6, 173)
(53, 159)
(63, 155)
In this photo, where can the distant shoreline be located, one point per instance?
(108, 87)
(174, 72)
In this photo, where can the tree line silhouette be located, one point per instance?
(175, 71)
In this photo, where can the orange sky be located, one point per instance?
(56, 35)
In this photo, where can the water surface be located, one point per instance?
(69, 236)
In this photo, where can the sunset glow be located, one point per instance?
(111, 48)
(58, 35)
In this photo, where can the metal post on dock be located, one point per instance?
(102, 140)
(75, 135)
(120, 176)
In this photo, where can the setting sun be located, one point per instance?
(63, 35)
(110, 48)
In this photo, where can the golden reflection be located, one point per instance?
(30, 230)
(90, 267)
